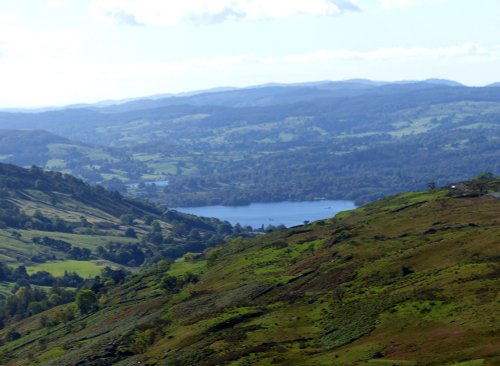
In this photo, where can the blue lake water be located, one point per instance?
(275, 213)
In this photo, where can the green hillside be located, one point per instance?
(355, 140)
(94, 163)
(408, 280)
(53, 222)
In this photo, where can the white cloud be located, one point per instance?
(391, 4)
(173, 12)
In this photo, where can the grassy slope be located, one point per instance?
(330, 293)
(19, 251)
(69, 199)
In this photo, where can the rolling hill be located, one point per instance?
(354, 139)
(45, 149)
(51, 221)
(408, 280)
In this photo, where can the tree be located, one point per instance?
(155, 238)
(83, 221)
(169, 284)
(190, 277)
(156, 227)
(405, 271)
(127, 219)
(86, 301)
(12, 336)
(130, 233)
(148, 219)
(194, 235)
(431, 185)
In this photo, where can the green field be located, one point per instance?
(86, 269)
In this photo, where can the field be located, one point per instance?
(86, 269)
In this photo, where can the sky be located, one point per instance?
(59, 52)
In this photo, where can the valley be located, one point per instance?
(113, 274)
(97, 267)
(249, 183)
(354, 140)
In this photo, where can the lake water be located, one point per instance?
(277, 213)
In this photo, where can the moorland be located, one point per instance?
(411, 279)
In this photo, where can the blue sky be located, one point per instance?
(55, 52)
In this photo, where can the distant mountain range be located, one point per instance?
(339, 84)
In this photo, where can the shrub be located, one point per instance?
(86, 301)
(169, 284)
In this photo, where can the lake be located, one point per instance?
(287, 213)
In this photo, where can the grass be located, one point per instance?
(470, 363)
(84, 241)
(55, 164)
(86, 269)
(5, 289)
(51, 354)
(415, 127)
(181, 266)
(478, 125)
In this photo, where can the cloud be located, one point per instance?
(173, 12)
(391, 4)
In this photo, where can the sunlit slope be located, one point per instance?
(408, 280)
(43, 215)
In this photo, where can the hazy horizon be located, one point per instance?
(218, 88)
(59, 52)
